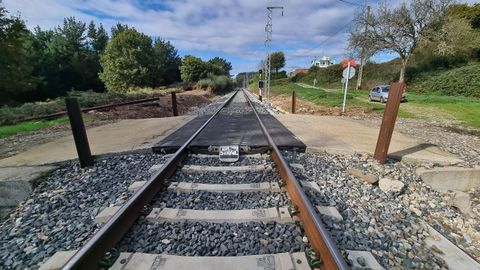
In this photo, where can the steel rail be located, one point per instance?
(109, 234)
(318, 235)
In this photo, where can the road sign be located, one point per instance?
(350, 61)
(344, 80)
(345, 73)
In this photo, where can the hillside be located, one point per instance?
(457, 81)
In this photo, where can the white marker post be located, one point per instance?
(346, 87)
(347, 74)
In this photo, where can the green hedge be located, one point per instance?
(462, 81)
(217, 84)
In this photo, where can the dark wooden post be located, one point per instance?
(174, 104)
(388, 121)
(294, 101)
(79, 132)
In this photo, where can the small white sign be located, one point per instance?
(345, 73)
(229, 153)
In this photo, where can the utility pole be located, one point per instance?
(362, 55)
(268, 45)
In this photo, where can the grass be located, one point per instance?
(433, 106)
(14, 129)
(28, 126)
(464, 109)
(323, 97)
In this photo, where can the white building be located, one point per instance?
(322, 62)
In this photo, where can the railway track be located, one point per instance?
(240, 215)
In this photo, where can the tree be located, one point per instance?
(192, 69)
(277, 61)
(118, 28)
(397, 28)
(74, 33)
(223, 64)
(97, 38)
(127, 61)
(167, 63)
(15, 58)
(455, 37)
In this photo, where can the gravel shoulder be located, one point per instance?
(448, 136)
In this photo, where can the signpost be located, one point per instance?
(260, 84)
(347, 74)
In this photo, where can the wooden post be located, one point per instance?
(79, 132)
(174, 104)
(294, 101)
(388, 122)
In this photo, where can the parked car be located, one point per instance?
(380, 93)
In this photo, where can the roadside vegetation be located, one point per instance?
(39, 68)
(28, 126)
(440, 64)
(464, 110)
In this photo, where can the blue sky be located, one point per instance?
(233, 29)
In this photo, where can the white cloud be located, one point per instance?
(231, 27)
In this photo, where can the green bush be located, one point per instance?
(463, 81)
(278, 75)
(217, 84)
(205, 83)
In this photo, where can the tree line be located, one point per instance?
(41, 64)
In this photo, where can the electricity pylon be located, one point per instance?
(268, 45)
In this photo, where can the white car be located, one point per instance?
(380, 93)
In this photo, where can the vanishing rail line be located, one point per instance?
(117, 226)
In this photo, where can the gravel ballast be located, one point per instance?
(59, 214)
(388, 224)
(210, 108)
(227, 177)
(213, 160)
(204, 200)
(209, 239)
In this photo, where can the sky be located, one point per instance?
(232, 29)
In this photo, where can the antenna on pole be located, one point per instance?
(268, 45)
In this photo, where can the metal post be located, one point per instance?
(79, 132)
(268, 45)
(346, 88)
(174, 104)
(388, 121)
(294, 101)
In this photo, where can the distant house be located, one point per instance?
(322, 62)
(298, 71)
